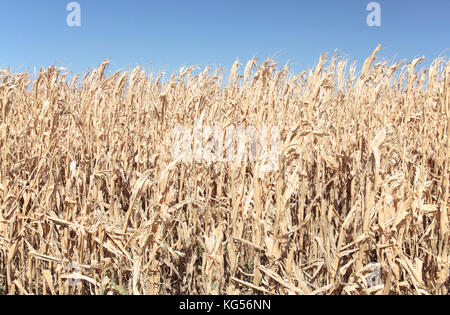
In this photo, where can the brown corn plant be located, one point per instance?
(93, 202)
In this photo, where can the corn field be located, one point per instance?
(93, 202)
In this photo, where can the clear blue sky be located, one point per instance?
(165, 35)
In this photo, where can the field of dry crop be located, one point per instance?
(93, 202)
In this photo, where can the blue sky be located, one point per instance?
(165, 35)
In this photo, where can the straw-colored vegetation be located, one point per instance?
(87, 177)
